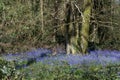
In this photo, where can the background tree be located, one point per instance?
(21, 23)
(42, 16)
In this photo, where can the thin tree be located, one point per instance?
(42, 16)
(67, 21)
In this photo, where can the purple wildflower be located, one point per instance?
(97, 57)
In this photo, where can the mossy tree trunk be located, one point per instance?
(74, 32)
(86, 25)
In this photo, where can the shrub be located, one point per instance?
(39, 71)
(8, 71)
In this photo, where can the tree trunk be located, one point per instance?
(42, 20)
(67, 21)
(86, 25)
(71, 30)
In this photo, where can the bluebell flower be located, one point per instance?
(97, 57)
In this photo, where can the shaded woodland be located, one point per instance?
(76, 26)
(59, 39)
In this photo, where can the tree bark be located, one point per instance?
(71, 30)
(67, 21)
(86, 25)
(42, 17)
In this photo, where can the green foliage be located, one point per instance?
(66, 72)
(8, 71)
